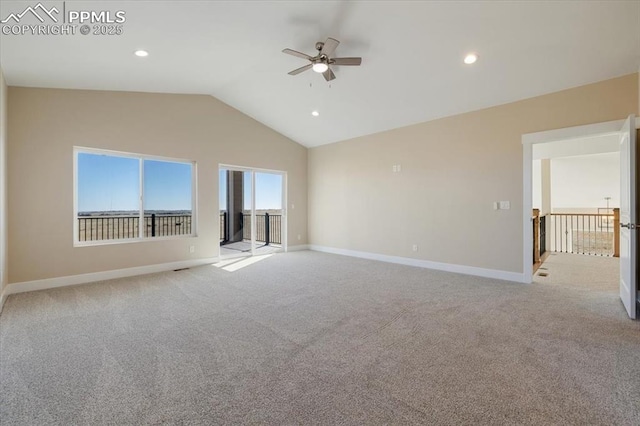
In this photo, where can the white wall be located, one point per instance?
(582, 182)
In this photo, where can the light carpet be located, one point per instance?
(313, 338)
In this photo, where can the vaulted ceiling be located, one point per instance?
(412, 51)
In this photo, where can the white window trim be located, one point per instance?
(140, 157)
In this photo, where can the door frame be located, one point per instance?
(558, 135)
(254, 170)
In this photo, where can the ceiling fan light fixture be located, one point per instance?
(471, 58)
(320, 63)
(320, 67)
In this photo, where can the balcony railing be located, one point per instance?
(224, 235)
(268, 228)
(100, 228)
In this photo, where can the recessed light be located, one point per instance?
(470, 58)
(315, 113)
(141, 53)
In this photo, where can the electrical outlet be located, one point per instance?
(299, 237)
(192, 249)
(293, 206)
(505, 205)
(415, 247)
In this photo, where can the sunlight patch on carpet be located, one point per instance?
(232, 265)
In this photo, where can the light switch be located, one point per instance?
(505, 205)
(495, 205)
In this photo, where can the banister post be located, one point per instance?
(536, 235)
(616, 232)
(266, 229)
(225, 228)
(153, 225)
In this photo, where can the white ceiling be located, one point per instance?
(412, 53)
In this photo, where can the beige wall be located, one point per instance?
(452, 170)
(3, 184)
(45, 124)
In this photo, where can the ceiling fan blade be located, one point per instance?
(296, 53)
(328, 74)
(346, 61)
(329, 46)
(301, 69)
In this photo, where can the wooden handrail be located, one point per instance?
(583, 226)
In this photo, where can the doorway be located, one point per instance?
(252, 217)
(576, 197)
(579, 229)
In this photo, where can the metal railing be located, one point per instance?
(543, 235)
(582, 233)
(99, 228)
(224, 235)
(268, 228)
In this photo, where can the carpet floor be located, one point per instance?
(312, 338)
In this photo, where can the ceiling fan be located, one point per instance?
(321, 62)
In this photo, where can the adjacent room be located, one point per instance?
(576, 199)
(336, 212)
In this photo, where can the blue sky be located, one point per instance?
(268, 191)
(108, 183)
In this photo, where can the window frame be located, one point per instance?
(141, 159)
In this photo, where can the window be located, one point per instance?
(123, 197)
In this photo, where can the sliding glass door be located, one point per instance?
(252, 211)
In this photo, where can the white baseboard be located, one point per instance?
(299, 247)
(22, 287)
(3, 297)
(25, 286)
(448, 267)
